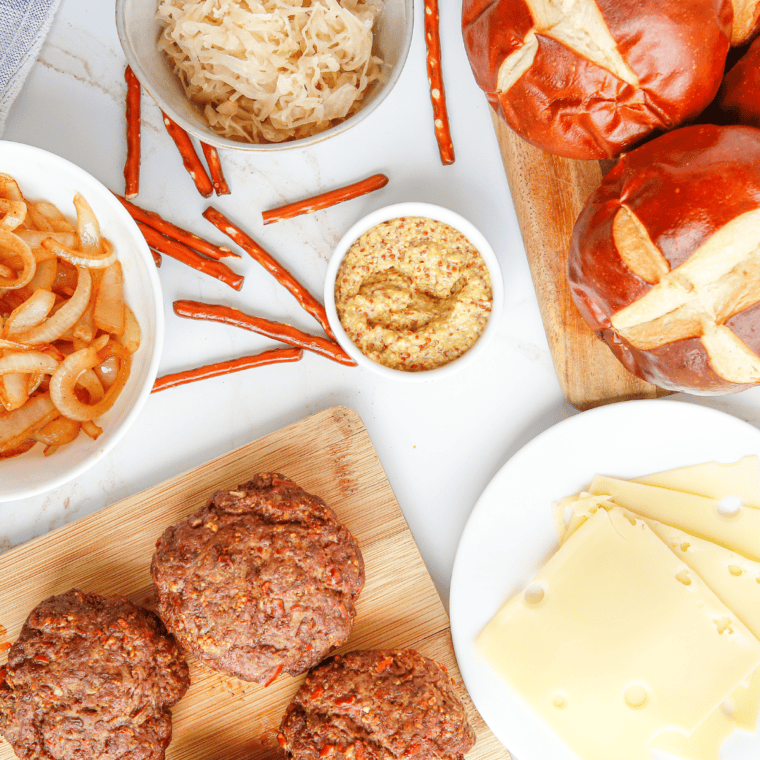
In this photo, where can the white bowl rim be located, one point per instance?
(142, 250)
(441, 214)
(223, 142)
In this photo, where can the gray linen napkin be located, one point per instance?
(24, 24)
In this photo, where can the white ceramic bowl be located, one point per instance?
(441, 214)
(45, 176)
(138, 31)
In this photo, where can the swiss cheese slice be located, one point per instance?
(706, 740)
(732, 577)
(735, 580)
(572, 511)
(732, 525)
(611, 647)
(713, 479)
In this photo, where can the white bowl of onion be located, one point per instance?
(80, 340)
(269, 80)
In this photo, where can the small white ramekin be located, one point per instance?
(440, 214)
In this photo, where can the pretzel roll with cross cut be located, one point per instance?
(664, 262)
(588, 79)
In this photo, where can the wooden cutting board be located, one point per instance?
(549, 192)
(221, 718)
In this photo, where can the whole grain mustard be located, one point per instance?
(413, 294)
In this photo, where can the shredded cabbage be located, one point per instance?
(272, 70)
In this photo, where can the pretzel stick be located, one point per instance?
(284, 333)
(156, 257)
(437, 94)
(188, 256)
(132, 164)
(215, 169)
(273, 356)
(282, 275)
(330, 198)
(189, 157)
(152, 219)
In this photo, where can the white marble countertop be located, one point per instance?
(439, 442)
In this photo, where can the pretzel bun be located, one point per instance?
(664, 261)
(739, 94)
(587, 79)
(746, 21)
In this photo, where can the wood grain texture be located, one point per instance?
(549, 192)
(222, 718)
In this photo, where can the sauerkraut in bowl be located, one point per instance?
(272, 70)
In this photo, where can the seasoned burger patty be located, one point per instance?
(376, 705)
(91, 677)
(263, 579)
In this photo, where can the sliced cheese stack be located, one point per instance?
(642, 630)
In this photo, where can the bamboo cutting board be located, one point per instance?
(549, 192)
(222, 718)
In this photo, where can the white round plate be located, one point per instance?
(42, 175)
(510, 534)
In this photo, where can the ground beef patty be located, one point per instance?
(263, 579)
(91, 677)
(376, 705)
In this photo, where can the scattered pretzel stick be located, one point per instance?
(152, 219)
(282, 275)
(189, 157)
(188, 256)
(330, 198)
(284, 333)
(156, 257)
(273, 356)
(435, 77)
(215, 169)
(132, 164)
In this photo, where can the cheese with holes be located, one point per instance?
(714, 480)
(734, 578)
(732, 525)
(615, 641)
(572, 511)
(740, 710)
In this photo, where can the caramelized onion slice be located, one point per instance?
(34, 238)
(13, 345)
(6, 452)
(87, 225)
(9, 188)
(14, 245)
(91, 429)
(65, 318)
(108, 312)
(20, 375)
(91, 383)
(17, 426)
(64, 381)
(132, 334)
(28, 362)
(13, 390)
(31, 313)
(13, 213)
(57, 432)
(44, 277)
(102, 256)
